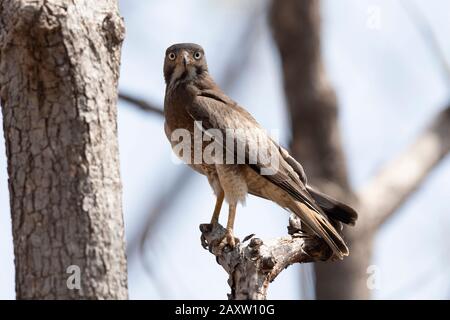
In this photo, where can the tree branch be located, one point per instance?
(401, 177)
(423, 26)
(245, 43)
(141, 104)
(252, 267)
(164, 201)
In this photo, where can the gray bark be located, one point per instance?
(59, 67)
(253, 265)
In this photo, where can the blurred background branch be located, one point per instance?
(317, 144)
(141, 104)
(423, 26)
(403, 175)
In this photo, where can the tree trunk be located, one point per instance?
(316, 141)
(59, 67)
(311, 99)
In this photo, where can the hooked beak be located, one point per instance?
(186, 59)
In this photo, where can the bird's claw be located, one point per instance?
(224, 243)
(228, 242)
(204, 242)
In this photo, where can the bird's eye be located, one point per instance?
(197, 55)
(172, 56)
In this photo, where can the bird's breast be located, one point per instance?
(179, 129)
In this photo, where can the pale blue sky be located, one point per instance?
(389, 86)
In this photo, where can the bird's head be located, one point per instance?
(184, 61)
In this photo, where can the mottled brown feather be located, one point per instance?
(193, 96)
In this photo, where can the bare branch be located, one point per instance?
(401, 177)
(163, 203)
(423, 25)
(252, 267)
(141, 104)
(245, 45)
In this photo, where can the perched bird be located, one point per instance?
(193, 102)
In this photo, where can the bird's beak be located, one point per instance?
(186, 58)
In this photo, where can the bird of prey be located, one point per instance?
(193, 102)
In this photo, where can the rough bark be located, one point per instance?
(252, 267)
(59, 67)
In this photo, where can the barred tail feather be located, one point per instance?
(321, 227)
(333, 208)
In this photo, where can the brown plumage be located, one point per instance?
(192, 95)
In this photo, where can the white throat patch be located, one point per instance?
(178, 72)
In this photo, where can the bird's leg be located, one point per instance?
(230, 225)
(229, 238)
(216, 214)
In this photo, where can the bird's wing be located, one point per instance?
(217, 111)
